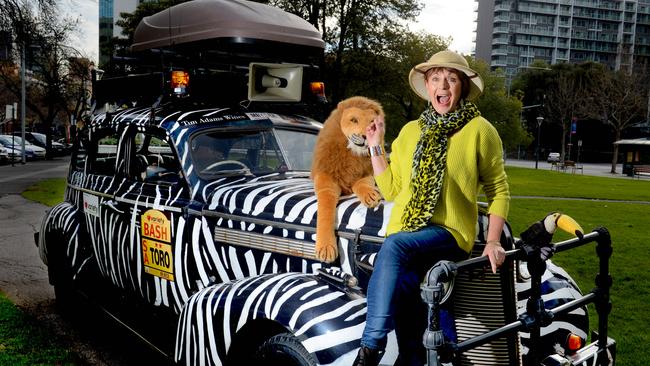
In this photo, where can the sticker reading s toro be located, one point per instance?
(156, 250)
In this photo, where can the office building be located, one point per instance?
(512, 34)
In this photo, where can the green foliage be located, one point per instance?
(502, 110)
(24, 342)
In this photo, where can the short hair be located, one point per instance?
(464, 79)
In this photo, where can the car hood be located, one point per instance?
(285, 206)
(289, 199)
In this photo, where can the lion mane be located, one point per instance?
(341, 166)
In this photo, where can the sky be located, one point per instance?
(448, 18)
(86, 36)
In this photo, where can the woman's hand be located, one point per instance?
(375, 132)
(495, 253)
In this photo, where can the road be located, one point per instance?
(23, 276)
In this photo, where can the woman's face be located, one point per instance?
(444, 87)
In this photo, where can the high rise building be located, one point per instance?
(511, 34)
(109, 13)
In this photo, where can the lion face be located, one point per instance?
(354, 121)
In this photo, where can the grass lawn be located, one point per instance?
(24, 342)
(626, 221)
(48, 192)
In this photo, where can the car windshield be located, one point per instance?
(40, 137)
(251, 152)
(14, 139)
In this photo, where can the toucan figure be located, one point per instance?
(537, 246)
(540, 233)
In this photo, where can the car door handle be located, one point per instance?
(110, 204)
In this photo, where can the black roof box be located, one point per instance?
(237, 21)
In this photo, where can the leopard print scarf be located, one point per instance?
(429, 162)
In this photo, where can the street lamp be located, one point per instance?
(540, 119)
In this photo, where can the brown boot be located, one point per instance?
(367, 357)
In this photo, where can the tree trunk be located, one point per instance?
(615, 157)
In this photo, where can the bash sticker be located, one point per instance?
(91, 205)
(156, 250)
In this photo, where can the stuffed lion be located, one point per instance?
(342, 166)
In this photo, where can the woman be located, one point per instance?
(438, 163)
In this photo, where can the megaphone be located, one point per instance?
(274, 82)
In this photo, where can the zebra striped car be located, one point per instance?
(204, 221)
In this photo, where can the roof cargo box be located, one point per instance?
(233, 26)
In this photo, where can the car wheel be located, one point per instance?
(284, 350)
(64, 290)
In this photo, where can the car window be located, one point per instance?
(298, 148)
(154, 161)
(258, 152)
(39, 137)
(104, 161)
(80, 155)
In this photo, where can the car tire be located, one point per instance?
(61, 278)
(284, 350)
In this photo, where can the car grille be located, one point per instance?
(483, 302)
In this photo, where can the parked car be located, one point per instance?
(15, 143)
(191, 218)
(10, 155)
(553, 157)
(39, 139)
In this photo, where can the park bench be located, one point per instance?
(570, 164)
(642, 170)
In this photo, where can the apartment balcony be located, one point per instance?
(537, 9)
(595, 4)
(615, 17)
(645, 20)
(534, 43)
(596, 37)
(642, 51)
(536, 30)
(501, 18)
(594, 47)
(499, 41)
(501, 29)
(642, 41)
(502, 7)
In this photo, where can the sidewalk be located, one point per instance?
(599, 170)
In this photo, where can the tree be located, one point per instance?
(561, 91)
(618, 99)
(352, 28)
(42, 33)
(501, 109)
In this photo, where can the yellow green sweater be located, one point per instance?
(474, 159)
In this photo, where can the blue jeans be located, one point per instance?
(401, 264)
